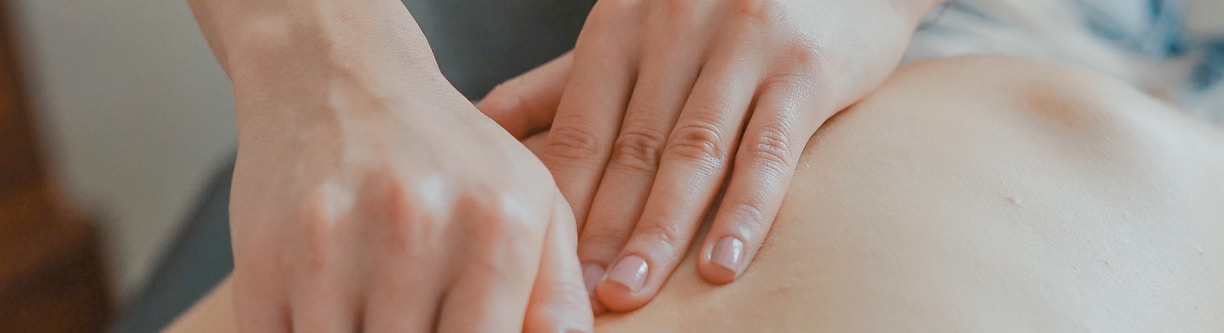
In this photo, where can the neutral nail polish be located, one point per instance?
(629, 272)
(591, 273)
(728, 253)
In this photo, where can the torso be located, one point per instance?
(983, 195)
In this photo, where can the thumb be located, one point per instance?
(526, 104)
(559, 300)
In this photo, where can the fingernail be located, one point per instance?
(629, 272)
(728, 253)
(591, 273)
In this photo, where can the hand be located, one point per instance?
(394, 223)
(371, 196)
(662, 103)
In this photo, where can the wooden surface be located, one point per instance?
(52, 276)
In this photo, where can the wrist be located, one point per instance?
(378, 35)
(271, 40)
(310, 62)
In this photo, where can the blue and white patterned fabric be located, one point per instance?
(1143, 42)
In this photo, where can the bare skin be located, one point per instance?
(662, 101)
(359, 165)
(971, 194)
(364, 183)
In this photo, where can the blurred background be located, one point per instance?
(131, 117)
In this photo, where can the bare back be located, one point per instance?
(973, 194)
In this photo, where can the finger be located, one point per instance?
(259, 306)
(695, 160)
(764, 165)
(325, 291)
(407, 280)
(498, 248)
(326, 302)
(559, 301)
(526, 104)
(593, 105)
(668, 73)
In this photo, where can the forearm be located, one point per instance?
(245, 30)
(290, 59)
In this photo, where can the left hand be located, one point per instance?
(661, 101)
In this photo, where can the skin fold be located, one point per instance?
(970, 194)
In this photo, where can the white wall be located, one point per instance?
(136, 111)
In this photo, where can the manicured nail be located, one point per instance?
(591, 273)
(629, 272)
(728, 253)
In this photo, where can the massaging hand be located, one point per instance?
(400, 215)
(662, 103)
(371, 196)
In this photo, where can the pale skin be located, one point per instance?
(366, 185)
(969, 194)
(661, 103)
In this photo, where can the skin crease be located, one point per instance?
(663, 102)
(978, 194)
(363, 183)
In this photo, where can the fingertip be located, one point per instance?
(625, 286)
(723, 260)
(616, 297)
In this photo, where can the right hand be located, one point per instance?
(370, 196)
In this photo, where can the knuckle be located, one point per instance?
(637, 150)
(505, 233)
(319, 219)
(573, 142)
(771, 148)
(754, 10)
(399, 201)
(698, 141)
(669, 236)
(806, 59)
(503, 217)
(750, 215)
(411, 220)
